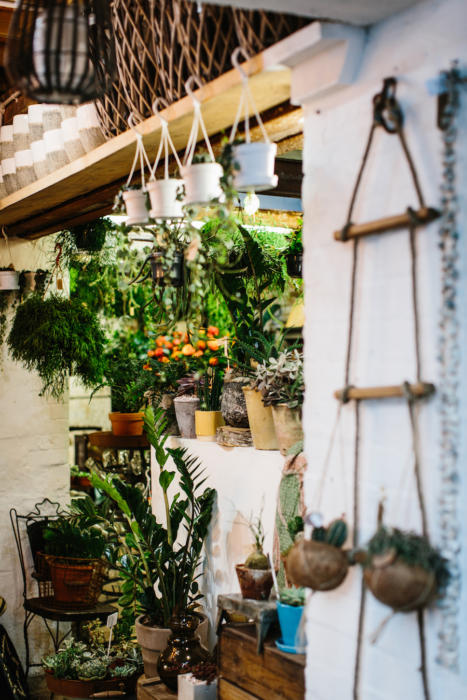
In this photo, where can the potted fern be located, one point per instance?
(159, 564)
(209, 417)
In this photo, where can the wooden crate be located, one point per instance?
(244, 674)
(156, 691)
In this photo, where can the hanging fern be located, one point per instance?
(58, 337)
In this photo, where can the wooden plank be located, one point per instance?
(419, 389)
(271, 675)
(229, 691)
(423, 215)
(151, 689)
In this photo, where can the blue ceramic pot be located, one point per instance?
(289, 620)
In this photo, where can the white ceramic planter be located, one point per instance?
(36, 128)
(6, 142)
(135, 204)
(9, 280)
(25, 173)
(90, 131)
(202, 182)
(55, 149)
(51, 117)
(73, 146)
(21, 132)
(39, 158)
(3, 192)
(163, 196)
(256, 161)
(9, 175)
(189, 688)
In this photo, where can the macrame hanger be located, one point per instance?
(141, 156)
(166, 144)
(246, 102)
(198, 122)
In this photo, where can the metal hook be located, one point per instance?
(189, 88)
(132, 125)
(157, 101)
(235, 62)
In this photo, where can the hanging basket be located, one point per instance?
(9, 281)
(401, 586)
(164, 192)
(136, 207)
(316, 565)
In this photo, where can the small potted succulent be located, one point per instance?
(202, 180)
(319, 563)
(255, 575)
(290, 607)
(281, 383)
(200, 684)
(294, 254)
(403, 570)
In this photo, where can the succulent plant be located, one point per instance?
(206, 671)
(334, 534)
(293, 596)
(280, 380)
(257, 559)
(92, 670)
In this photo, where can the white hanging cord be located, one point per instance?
(140, 154)
(166, 144)
(247, 101)
(198, 122)
(7, 243)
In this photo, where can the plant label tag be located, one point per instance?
(112, 620)
(59, 283)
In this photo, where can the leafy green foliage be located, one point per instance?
(281, 380)
(57, 337)
(412, 549)
(210, 389)
(293, 596)
(295, 526)
(296, 245)
(153, 556)
(65, 538)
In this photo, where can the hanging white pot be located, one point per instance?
(136, 207)
(202, 182)
(163, 192)
(255, 163)
(9, 280)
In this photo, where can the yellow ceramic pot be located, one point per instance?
(260, 419)
(206, 424)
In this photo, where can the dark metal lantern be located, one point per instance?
(61, 51)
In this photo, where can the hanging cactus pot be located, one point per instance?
(163, 197)
(135, 205)
(400, 586)
(316, 565)
(255, 166)
(202, 182)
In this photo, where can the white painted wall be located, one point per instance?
(246, 481)
(33, 459)
(414, 46)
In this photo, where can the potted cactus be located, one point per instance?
(319, 563)
(290, 607)
(403, 570)
(255, 575)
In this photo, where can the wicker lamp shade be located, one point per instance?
(61, 51)
(160, 44)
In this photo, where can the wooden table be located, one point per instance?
(154, 690)
(247, 675)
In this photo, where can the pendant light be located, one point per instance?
(61, 51)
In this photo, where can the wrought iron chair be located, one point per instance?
(28, 532)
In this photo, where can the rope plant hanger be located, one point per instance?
(254, 162)
(387, 114)
(135, 197)
(163, 192)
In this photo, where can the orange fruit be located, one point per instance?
(201, 344)
(213, 345)
(188, 349)
(213, 361)
(213, 330)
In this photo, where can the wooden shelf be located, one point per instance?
(419, 390)
(107, 440)
(82, 190)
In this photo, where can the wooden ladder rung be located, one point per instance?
(388, 223)
(419, 389)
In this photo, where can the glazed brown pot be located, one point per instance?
(126, 424)
(183, 651)
(401, 586)
(254, 583)
(316, 565)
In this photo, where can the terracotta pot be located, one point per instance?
(126, 424)
(183, 651)
(233, 404)
(202, 182)
(254, 583)
(317, 565)
(77, 582)
(260, 419)
(401, 586)
(288, 426)
(86, 689)
(163, 196)
(206, 424)
(153, 640)
(256, 166)
(185, 407)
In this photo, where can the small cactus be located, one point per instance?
(336, 533)
(318, 534)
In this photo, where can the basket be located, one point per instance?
(160, 45)
(112, 687)
(77, 582)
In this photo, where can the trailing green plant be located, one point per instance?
(412, 549)
(65, 538)
(152, 557)
(293, 596)
(280, 379)
(90, 238)
(57, 337)
(128, 382)
(257, 559)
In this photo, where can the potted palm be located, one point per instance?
(159, 564)
(281, 383)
